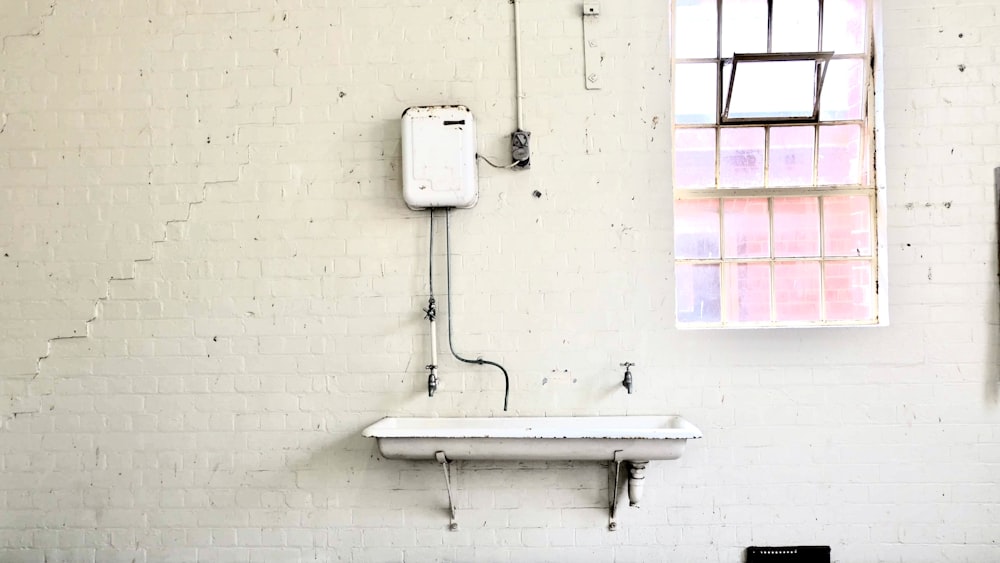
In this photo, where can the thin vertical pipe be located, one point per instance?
(996, 188)
(431, 313)
(519, 95)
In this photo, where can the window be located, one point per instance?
(776, 211)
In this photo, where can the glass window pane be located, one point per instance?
(796, 227)
(698, 293)
(747, 228)
(694, 93)
(839, 155)
(696, 29)
(844, 92)
(847, 225)
(748, 292)
(741, 164)
(696, 228)
(694, 158)
(767, 89)
(795, 26)
(844, 23)
(848, 288)
(744, 27)
(791, 156)
(796, 291)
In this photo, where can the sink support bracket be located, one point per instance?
(445, 464)
(637, 474)
(614, 475)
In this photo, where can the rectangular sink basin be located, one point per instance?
(549, 438)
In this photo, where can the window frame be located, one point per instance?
(873, 182)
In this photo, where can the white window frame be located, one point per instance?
(873, 141)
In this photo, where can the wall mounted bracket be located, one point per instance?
(443, 460)
(636, 479)
(592, 56)
(614, 475)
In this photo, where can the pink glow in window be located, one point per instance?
(839, 155)
(747, 228)
(797, 291)
(847, 225)
(843, 91)
(848, 287)
(748, 290)
(791, 157)
(741, 164)
(696, 228)
(694, 160)
(796, 227)
(698, 293)
(844, 24)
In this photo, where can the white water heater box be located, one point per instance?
(439, 157)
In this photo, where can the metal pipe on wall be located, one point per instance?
(517, 67)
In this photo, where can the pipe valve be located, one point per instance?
(432, 381)
(627, 381)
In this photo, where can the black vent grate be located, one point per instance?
(789, 554)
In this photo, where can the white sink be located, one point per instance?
(632, 440)
(640, 438)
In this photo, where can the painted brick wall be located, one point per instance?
(209, 284)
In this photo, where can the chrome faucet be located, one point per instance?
(432, 380)
(627, 382)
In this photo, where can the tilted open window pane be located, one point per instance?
(776, 87)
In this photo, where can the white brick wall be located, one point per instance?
(203, 239)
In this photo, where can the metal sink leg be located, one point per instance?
(614, 471)
(447, 481)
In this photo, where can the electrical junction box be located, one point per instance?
(439, 157)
